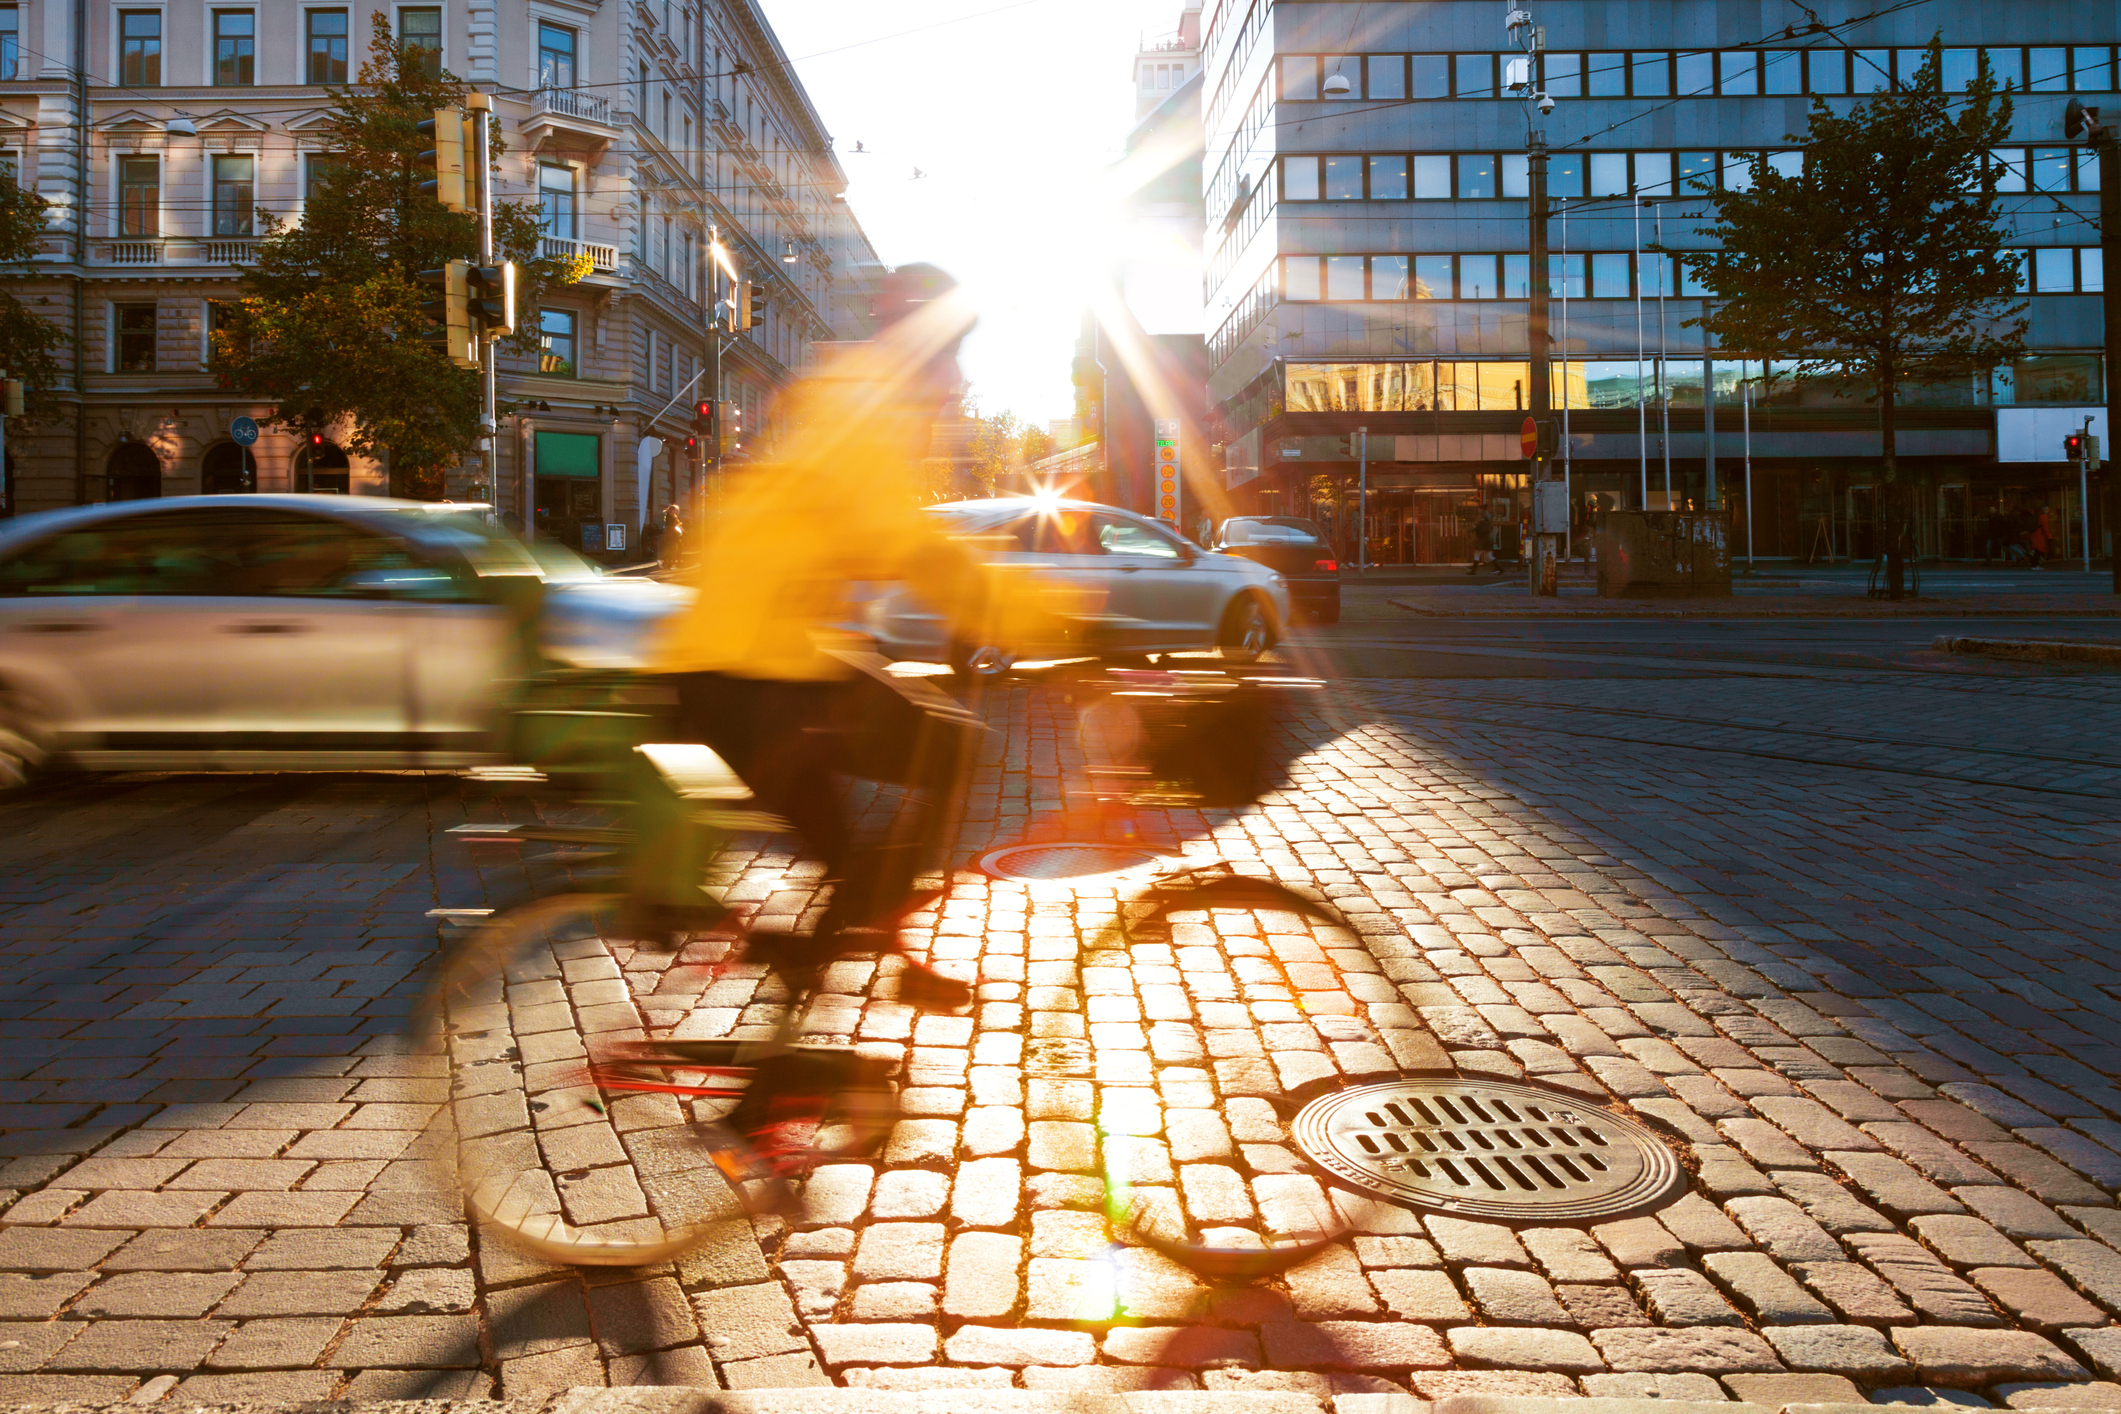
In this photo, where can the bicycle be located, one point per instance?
(550, 1125)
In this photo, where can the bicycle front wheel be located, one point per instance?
(546, 1159)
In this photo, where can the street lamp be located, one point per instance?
(1336, 84)
(1522, 77)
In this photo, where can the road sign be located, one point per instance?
(1168, 493)
(1528, 440)
(243, 431)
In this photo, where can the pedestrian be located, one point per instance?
(652, 539)
(670, 543)
(2043, 539)
(1483, 543)
(1993, 536)
(1204, 531)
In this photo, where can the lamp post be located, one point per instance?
(2087, 123)
(1523, 76)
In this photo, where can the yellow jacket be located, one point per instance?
(784, 541)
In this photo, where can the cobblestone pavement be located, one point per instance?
(1848, 937)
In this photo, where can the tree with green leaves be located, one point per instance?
(1882, 262)
(27, 339)
(329, 328)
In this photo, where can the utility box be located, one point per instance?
(1664, 554)
(1550, 508)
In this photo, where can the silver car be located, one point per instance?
(1165, 593)
(285, 632)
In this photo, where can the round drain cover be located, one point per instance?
(1487, 1149)
(1062, 860)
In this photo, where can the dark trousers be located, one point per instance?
(789, 742)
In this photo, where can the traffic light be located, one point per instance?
(450, 309)
(750, 305)
(446, 158)
(493, 299)
(2091, 443)
(703, 417)
(11, 397)
(2073, 446)
(1347, 446)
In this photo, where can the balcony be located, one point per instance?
(575, 117)
(603, 259)
(174, 251)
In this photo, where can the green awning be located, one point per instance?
(567, 454)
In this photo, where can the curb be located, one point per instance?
(689, 1400)
(1733, 609)
(2039, 649)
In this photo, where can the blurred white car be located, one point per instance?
(278, 632)
(1167, 594)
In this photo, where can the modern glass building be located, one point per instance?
(1368, 264)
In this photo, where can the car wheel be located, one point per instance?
(980, 662)
(23, 744)
(1247, 630)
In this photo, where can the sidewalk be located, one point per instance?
(1784, 590)
(1877, 1011)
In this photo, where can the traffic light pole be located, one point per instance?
(2109, 149)
(480, 106)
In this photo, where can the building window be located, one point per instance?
(556, 342)
(327, 46)
(139, 48)
(2054, 270)
(556, 56)
(135, 351)
(421, 30)
(10, 41)
(139, 196)
(233, 196)
(316, 167)
(556, 204)
(235, 48)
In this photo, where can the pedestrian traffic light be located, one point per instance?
(703, 417)
(1347, 446)
(493, 299)
(2073, 446)
(450, 309)
(445, 159)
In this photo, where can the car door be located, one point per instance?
(1161, 582)
(1060, 545)
(101, 625)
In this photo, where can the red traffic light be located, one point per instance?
(316, 439)
(691, 443)
(703, 409)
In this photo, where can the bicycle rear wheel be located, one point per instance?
(546, 1158)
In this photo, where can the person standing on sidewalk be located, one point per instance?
(1483, 543)
(670, 544)
(2043, 539)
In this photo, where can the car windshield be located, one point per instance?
(1273, 530)
(489, 546)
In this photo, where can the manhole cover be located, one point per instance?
(1486, 1149)
(1065, 861)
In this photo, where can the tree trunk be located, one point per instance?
(1891, 504)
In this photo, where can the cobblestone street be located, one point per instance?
(1845, 934)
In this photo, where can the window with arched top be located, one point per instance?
(322, 468)
(134, 472)
(227, 470)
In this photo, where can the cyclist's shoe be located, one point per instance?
(667, 927)
(796, 958)
(925, 989)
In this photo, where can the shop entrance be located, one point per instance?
(569, 495)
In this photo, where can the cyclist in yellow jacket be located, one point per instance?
(764, 672)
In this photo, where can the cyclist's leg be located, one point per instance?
(771, 734)
(906, 732)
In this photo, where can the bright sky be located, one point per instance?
(1013, 111)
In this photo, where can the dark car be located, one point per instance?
(1296, 549)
